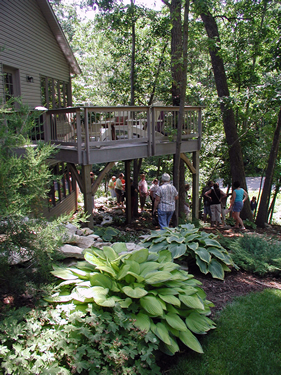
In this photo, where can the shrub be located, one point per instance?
(256, 254)
(63, 341)
(161, 297)
(188, 241)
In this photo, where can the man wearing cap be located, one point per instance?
(166, 196)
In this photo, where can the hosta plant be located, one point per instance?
(186, 240)
(161, 297)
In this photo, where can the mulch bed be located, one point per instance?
(236, 283)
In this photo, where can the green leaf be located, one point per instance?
(220, 255)
(216, 269)
(210, 242)
(173, 348)
(124, 303)
(191, 237)
(155, 248)
(192, 301)
(198, 323)
(174, 238)
(83, 275)
(175, 321)
(203, 266)
(92, 292)
(203, 254)
(64, 273)
(191, 341)
(138, 256)
(170, 299)
(105, 302)
(193, 246)
(120, 247)
(162, 332)
(99, 263)
(151, 305)
(110, 254)
(167, 291)
(158, 277)
(59, 298)
(142, 321)
(123, 271)
(99, 279)
(148, 267)
(134, 293)
(165, 256)
(177, 250)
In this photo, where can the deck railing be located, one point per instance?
(94, 127)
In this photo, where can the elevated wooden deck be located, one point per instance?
(89, 135)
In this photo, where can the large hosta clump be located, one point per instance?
(160, 296)
(186, 240)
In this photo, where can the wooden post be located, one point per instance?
(195, 186)
(88, 200)
(128, 192)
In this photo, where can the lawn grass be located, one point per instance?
(246, 341)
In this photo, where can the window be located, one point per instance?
(54, 93)
(11, 82)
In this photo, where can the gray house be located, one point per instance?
(36, 63)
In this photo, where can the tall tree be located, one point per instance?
(234, 147)
(179, 45)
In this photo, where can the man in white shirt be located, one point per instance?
(166, 197)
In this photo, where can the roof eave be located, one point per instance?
(56, 29)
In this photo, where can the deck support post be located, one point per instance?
(195, 186)
(128, 191)
(88, 198)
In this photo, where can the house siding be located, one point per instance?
(66, 206)
(28, 44)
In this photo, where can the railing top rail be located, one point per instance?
(63, 110)
(122, 108)
(176, 108)
(118, 108)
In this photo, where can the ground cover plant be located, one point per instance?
(161, 298)
(246, 341)
(61, 341)
(257, 254)
(187, 241)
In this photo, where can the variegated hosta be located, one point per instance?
(186, 240)
(161, 297)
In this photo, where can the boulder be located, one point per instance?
(71, 251)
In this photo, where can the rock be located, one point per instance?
(81, 241)
(87, 231)
(71, 228)
(70, 251)
(106, 220)
(133, 246)
(19, 257)
(100, 245)
(95, 237)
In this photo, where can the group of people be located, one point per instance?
(215, 204)
(162, 196)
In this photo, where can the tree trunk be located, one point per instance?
(133, 54)
(176, 49)
(263, 207)
(179, 44)
(234, 147)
